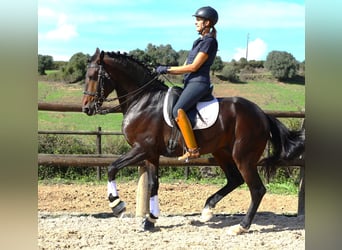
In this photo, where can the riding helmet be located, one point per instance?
(207, 13)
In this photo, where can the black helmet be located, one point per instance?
(207, 13)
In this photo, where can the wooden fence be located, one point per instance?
(100, 159)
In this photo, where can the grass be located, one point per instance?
(51, 71)
(71, 93)
(269, 96)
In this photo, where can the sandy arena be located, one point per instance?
(78, 217)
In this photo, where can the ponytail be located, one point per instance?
(213, 32)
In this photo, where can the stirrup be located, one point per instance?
(190, 154)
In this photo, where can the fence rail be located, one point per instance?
(105, 160)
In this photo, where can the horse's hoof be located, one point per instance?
(206, 215)
(236, 230)
(118, 207)
(147, 225)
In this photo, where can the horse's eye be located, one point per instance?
(90, 78)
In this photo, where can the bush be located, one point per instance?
(57, 144)
(74, 144)
(230, 73)
(282, 65)
(76, 68)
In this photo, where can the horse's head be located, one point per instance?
(98, 85)
(114, 70)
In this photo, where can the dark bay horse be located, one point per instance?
(236, 140)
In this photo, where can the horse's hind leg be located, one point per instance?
(246, 161)
(234, 179)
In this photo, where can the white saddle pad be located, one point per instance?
(208, 112)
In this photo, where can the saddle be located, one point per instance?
(202, 116)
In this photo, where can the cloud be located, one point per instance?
(63, 29)
(256, 50)
(46, 12)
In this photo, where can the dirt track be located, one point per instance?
(78, 217)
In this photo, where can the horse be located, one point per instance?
(236, 140)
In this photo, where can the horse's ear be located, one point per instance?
(101, 56)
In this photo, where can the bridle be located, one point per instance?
(99, 99)
(102, 75)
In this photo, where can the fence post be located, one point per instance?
(301, 192)
(99, 150)
(143, 192)
(186, 172)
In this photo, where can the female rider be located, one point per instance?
(197, 75)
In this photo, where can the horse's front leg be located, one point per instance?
(135, 155)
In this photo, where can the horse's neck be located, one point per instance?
(127, 95)
(140, 101)
(123, 100)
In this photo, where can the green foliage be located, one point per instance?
(156, 55)
(55, 144)
(256, 64)
(162, 55)
(182, 56)
(282, 65)
(76, 68)
(230, 73)
(44, 63)
(72, 144)
(141, 56)
(217, 65)
(57, 65)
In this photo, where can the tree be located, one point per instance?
(76, 68)
(282, 65)
(230, 72)
(44, 62)
(162, 55)
(140, 55)
(182, 56)
(217, 65)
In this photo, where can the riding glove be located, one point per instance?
(162, 69)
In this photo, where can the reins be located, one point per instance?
(131, 94)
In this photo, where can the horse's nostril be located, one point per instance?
(85, 110)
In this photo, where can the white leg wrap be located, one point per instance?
(206, 215)
(236, 230)
(111, 188)
(154, 206)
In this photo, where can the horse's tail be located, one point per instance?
(286, 145)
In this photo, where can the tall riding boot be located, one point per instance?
(188, 135)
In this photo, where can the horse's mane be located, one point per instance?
(135, 68)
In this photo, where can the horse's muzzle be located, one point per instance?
(88, 111)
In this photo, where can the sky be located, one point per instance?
(66, 27)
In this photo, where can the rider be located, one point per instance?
(197, 78)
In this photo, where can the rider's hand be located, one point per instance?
(162, 69)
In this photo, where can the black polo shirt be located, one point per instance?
(208, 45)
